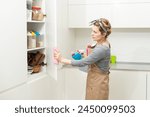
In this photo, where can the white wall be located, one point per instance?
(129, 45)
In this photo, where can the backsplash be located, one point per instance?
(129, 45)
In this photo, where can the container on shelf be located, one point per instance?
(31, 42)
(37, 13)
(37, 3)
(29, 4)
(39, 43)
(29, 15)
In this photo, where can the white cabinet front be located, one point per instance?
(13, 44)
(80, 16)
(124, 14)
(131, 15)
(75, 83)
(127, 85)
(124, 85)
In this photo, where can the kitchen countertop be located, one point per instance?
(131, 66)
(123, 66)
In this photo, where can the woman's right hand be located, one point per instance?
(60, 59)
(57, 55)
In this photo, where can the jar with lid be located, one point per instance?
(37, 13)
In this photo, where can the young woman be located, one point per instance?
(97, 87)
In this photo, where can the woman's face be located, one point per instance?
(96, 34)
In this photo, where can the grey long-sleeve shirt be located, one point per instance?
(100, 56)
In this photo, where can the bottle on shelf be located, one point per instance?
(39, 40)
(31, 40)
(29, 10)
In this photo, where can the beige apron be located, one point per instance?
(97, 87)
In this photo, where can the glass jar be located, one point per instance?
(37, 13)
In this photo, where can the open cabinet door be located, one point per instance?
(13, 65)
(51, 35)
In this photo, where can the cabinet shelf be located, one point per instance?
(32, 21)
(38, 35)
(36, 76)
(39, 48)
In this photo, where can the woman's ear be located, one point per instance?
(104, 34)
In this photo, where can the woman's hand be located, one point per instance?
(88, 49)
(57, 55)
(60, 59)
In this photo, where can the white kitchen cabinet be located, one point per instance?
(15, 81)
(127, 85)
(131, 15)
(80, 16)
(75, 84)
(103, 1)
(13, 44)
(36, 31)
(121, 14)
(13, 48)
(48, 36)
(148, 86)
(124, 85)
(44, 88)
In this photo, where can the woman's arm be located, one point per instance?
(97, 54)
(65, 61)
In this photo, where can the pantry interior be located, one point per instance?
(66, 26)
